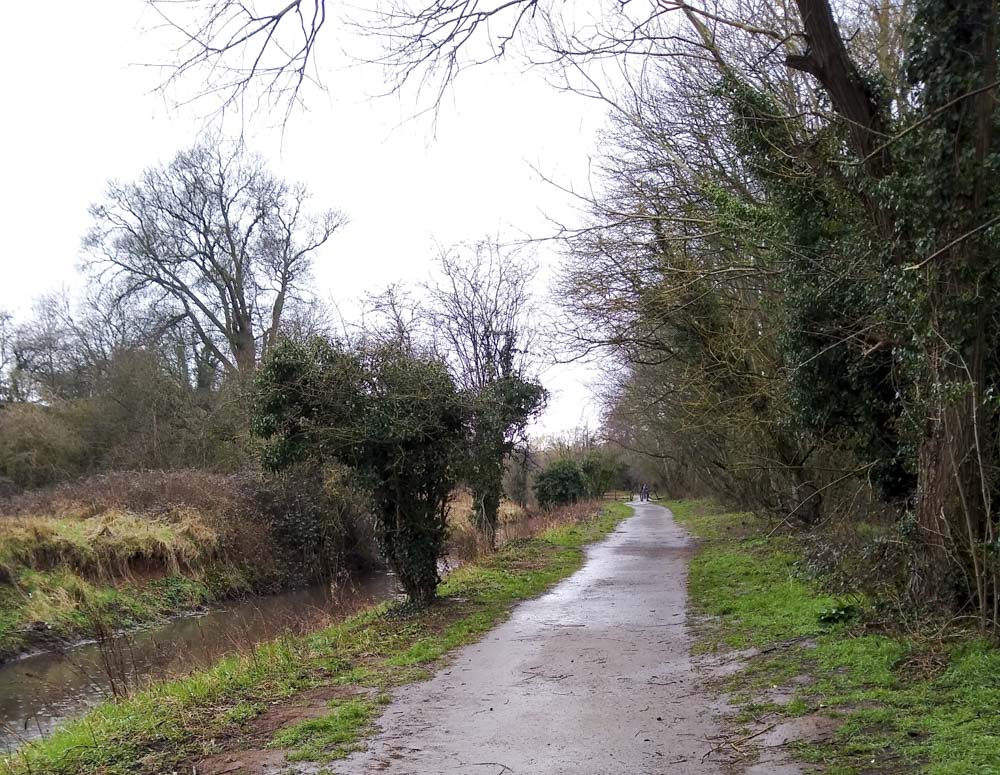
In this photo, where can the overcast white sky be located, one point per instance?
(79, 111)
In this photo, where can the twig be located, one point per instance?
(952, 244)
(733, 743)
(503, 767)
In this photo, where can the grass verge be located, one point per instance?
(903, 702)
(227, 706)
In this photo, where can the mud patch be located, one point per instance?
(773, 767)
(764, 751)
(811, 729)
(724, 665)
(311, 704)
(249, 762)
(244, 752)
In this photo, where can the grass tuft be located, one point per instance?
(330, 737)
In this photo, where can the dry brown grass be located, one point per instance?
(111, 544)
(117, 525)
(141, 492)
(465, 543)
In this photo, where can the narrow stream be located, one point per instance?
(39, 692)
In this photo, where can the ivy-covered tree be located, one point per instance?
(392, 415)
(944, 194)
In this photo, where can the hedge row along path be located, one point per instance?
(594, 677)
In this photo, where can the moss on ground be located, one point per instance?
(906, 703)
(174, 723)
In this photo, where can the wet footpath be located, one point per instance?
(594, 677)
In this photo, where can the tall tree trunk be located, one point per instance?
(958, 64)
(948, 494)
(244, 347)
(955, 61)
(827, 59)
(952, 495)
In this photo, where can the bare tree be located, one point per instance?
(481, 311)
(308, 318)
(480, 317)
(215, 238)
(47, 359)
(235, 45)
(395, 317)
(266, 50)
(6, 355)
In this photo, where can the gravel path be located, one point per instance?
(592, 678)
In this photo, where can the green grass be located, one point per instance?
(906, 704)
(754, 588)
(174, 723)
(330, 737)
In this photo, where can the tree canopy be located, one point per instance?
(216, 241)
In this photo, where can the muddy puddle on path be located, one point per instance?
(39, 692)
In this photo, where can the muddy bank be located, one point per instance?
(126, 550)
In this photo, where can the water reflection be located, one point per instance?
(40, 691)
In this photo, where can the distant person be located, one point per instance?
(644, 492)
